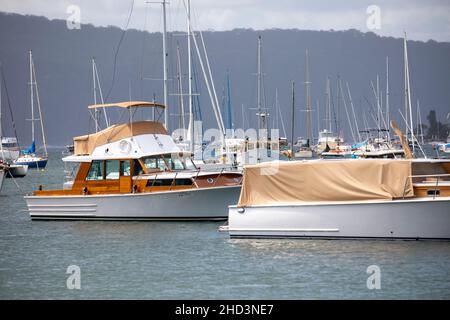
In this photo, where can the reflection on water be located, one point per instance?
(191, 260)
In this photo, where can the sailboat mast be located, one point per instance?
(259, 75)
(95, 96)
(353, 112)
(180, 90)
(328, 107)
(387, 91)
(166, 113)
(308, 99)
(405, 85)
(191, 111)
(39, 110)
(229, 107)
(408, 107)
(378, 103)
(32, 96)
(293, 119)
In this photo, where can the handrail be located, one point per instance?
(154, 181)
(195, 179)
(173, 181)
(425, 176)
(215, 181)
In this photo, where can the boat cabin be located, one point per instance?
(135, 157)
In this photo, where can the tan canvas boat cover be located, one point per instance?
(84, 145)
(309, 181)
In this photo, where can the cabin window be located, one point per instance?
(174, 163)
(159, 183)
(125, 169)
(151, 163)
(434, 193)
(183, 182)
(155, 163)
(189, 164)
(112, 169)
(96, 170)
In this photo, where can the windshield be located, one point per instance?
(168, 162)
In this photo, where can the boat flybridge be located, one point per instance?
(355, 198)
(135, 171)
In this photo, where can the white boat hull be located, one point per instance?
(17, 171)
(192, 204)
(423, 218)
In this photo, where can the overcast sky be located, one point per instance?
(422, 20)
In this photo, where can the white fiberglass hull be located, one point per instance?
(192, 204)
(17, 171)
(422, 218)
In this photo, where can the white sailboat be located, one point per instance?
(29, 156)
(9, 150)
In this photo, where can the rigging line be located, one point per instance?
(9, 104)
(334, 110)
(118, 48)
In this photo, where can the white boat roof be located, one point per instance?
(89, 158)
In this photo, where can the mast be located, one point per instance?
(191, 111)
(95, 96)
(277, 105)
(405, 84)
(180, 89)
(318, 118)
(328, 106)
(408, 107)
(39, 109)
(259, 75)
(353, 112)
(229, 107)
(378, 102)
(308, 99)
(293, 120)
(166, 113)
(346, 111)
(419, 121)
(32, 97)
(387, 91)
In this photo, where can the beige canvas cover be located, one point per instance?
(84, 145)
(309, 181)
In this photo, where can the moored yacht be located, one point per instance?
(134, 171)
(358, 198)
(9, 149)
(29, 157)
(327, 140)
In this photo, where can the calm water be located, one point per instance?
(171, 260)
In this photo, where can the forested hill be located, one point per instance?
(63, 63)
